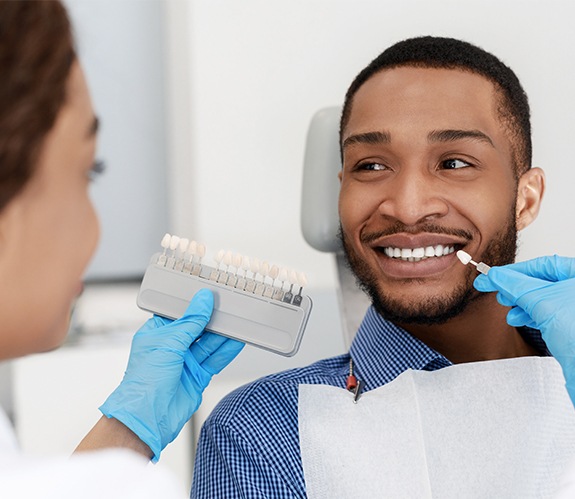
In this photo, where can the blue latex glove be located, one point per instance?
(170, 365)
(542, 294)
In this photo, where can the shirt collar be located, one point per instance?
(381, 351)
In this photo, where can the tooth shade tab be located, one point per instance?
(274, 272)
(418, 254)
(192, 248)
(254, 266)
(464, 257)
(166, 241)
(184, 244)
(245, 263)
(219, 257)
(174, 242)
(237, 261)
(227, 258)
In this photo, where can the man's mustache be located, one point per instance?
(426, 228)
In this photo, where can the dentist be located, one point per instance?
(48, 233)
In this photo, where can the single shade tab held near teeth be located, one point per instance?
(465, 258)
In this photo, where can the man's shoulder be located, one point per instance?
(276, 392)
(250, 441)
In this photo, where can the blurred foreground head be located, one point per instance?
(36, 55)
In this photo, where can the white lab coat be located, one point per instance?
(107, 473)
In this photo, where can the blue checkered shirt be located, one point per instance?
(249, 445)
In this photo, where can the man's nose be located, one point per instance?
(414, 197)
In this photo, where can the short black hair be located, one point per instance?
(450, 53)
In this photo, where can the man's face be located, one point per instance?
(427, 168)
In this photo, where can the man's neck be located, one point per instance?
(480, 333)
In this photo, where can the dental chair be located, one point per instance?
(319, 212)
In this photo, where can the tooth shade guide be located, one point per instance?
(231, 270)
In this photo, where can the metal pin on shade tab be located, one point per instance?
(465, 258)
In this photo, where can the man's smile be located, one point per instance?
(431, 252)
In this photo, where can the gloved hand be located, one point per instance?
(542, 294)
(168, 369)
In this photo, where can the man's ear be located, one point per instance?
(529, 195)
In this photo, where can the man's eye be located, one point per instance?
(454, 164)
(371, 167)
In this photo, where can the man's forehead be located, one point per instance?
(418, 92)
(403, 78)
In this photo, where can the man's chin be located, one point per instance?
(425, 311)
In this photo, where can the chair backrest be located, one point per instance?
(319, 211)
(320, 189)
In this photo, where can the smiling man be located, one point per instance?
(436, 149)
(437, 157)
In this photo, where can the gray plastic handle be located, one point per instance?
(263, 322)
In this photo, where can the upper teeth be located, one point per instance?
(417, 254)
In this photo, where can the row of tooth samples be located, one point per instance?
(234, 270)
(181, 254)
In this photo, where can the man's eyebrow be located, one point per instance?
(367, 138)
(94, 127)
(454, 135)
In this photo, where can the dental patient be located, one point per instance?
(435, 139)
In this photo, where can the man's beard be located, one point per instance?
(434, 309)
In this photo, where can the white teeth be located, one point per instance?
(417, 254)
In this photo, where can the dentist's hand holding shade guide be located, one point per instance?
(465, 258)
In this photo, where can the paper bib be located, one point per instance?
(496, 429)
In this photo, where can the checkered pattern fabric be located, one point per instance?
(249, 446)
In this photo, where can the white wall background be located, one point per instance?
(121, 45)
(259, 69)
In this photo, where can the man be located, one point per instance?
(436, 149)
